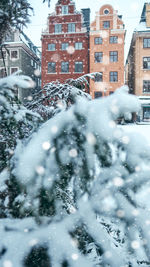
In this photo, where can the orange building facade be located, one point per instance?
(107, 36)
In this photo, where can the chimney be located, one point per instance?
(148, 15)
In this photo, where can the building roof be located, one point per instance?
(19, 37)
(142, 24)
(143, 15)
(25, 39)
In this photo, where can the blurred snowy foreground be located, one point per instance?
(82, 183)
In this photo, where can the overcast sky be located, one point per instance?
(130, 9)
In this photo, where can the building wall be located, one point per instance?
(141, 73)
(97, 30)
(26, 61)
(137, 71)
(70, 55)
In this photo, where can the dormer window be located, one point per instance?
(64, 10)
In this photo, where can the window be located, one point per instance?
(58, 28)
(64, 46)
(32, 62)
(111, 92)
(64, 66)
(98, 40)
(113, 76)
(98, 57)
(9, 38)
(51, 67)
(146, 113)
(146, 86)
(14, 54)
(146, 42)
(113, 39)
(71, 27)
(2, 73)
(97, 94)
(106, 11)
(113, 56)
(78, 46)
(51, 47)
(99, 77)
(64, 10)
(146, 62)
(78, 66)
(14, 69)
(3, 54)
(106, 24)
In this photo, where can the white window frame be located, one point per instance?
(13, 68)
(64, 46)
(12, 58)
(78, 46)
(71, 27)
(65, 10)
(3, 69)
(4, 51)
(66, 66)
(78, 63)
(58, 28)
(51, 47)
(54, 65)
(32, 62)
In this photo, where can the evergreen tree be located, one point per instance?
(15, 14)
(55, 96)
(80, 177)
(17, 123)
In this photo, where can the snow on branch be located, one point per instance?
(80, 177)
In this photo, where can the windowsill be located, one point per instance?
(145, 69)
(50, 50)
(79, 72)
(14, 59)
(146, 93)
(64, 72)
(113, 82)
(52, 73)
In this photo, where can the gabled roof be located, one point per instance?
(59, 2)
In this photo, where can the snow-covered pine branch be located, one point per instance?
(55, 97)
(80, 176)
(16, 121)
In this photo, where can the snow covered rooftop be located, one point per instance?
(24, 38)
(142, 27)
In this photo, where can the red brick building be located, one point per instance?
(65, 43)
